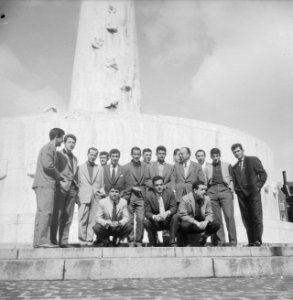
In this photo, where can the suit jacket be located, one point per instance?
(105, 210)
(152, 203)
(251, 178)
(120, 179)
(46, 171)
(189, 209)
(89, 187)
(183, 185)
(153, 171)
(226, 174)
(64, 167)
(133, 181)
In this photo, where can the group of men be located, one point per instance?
(178, 199)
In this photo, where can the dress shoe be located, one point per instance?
(138, 245)
(250, 245)
(203, 240)
(65, 246)
(46, 246)
(173, 245)
(257, 244)
(131, 244)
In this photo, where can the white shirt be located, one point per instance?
(115, 170)
(161, 205)
(186, 167)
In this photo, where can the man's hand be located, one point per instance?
(100, 194)
(165, 214)
(61, 178)
(115, 224)
(158, 218)
(202, 225)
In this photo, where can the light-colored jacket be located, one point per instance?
(46, 172)
(187, 211)
(88, 188)
(226, 174)
(105, 210)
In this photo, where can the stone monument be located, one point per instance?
(105, 113)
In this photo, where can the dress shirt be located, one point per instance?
(186, 167)
(161, 204)
(161, 167)
(115, 170)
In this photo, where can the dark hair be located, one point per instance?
(114, 151)
(200, 150)
(196, 184)
(104, 153)
(187, 149)
(71, 136)
(135, 148)
(215, 151)
(176, 151)
(146, 150)
(116, 187)
(92, 148)
(156, 178)
(56, 132)
(161, 148)
(237, 145)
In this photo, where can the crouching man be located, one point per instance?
(112, 219)
(195, 211)
(160, 211)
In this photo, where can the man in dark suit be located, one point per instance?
(44, 186)
(114, 174)
(160, 211)
(185, 173)
(135, 181)
(195, 211)
(66, 193)
(249, 177)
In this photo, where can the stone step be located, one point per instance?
(104, 263)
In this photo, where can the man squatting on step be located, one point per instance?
(180, 199)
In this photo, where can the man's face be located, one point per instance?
(69, 144)
(216, 158)
(200, 157)
(92, 156)
(200, 192)
(114, 158)
(147, 157)
(159, 186)
(183, 154)
(238, 153)
(176, 157)
(136, 154)
(103, 160)
(59, 141)
(114, 194)
(161, 155)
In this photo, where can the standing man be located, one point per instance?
(176, 157)
(160, 168)
(112, 219)
(160, 212)
(185, 173)
(249, 176)
(91, 190)
(200, 156)
(44, 186)
(104, 157)
(135, 180)
(220, 191)
(147, 155)
(66, 193)
(195, 211)
(114, 174)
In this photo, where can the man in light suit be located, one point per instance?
(195, 211)
(185, 173)
(66, 192)
(135, 179)
(44, 186)
(249, 176)
(160, 168)
(112, 219)
(91, 190)
(220, 191)
(114, 174)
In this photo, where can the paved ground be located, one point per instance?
(188, 288)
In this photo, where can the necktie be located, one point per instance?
(185, 170)
(161, 205)
(240, 164)
(114, 212)
(113, 177)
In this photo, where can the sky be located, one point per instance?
(226, 62)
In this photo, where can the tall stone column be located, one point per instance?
(105, 73)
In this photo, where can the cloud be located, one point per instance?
(22, 91)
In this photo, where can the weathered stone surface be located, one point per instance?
(139, 252)
(212, 251)
(56, 253)
(8, 254)
(138, 268)
(253, 266)
(51, 269)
